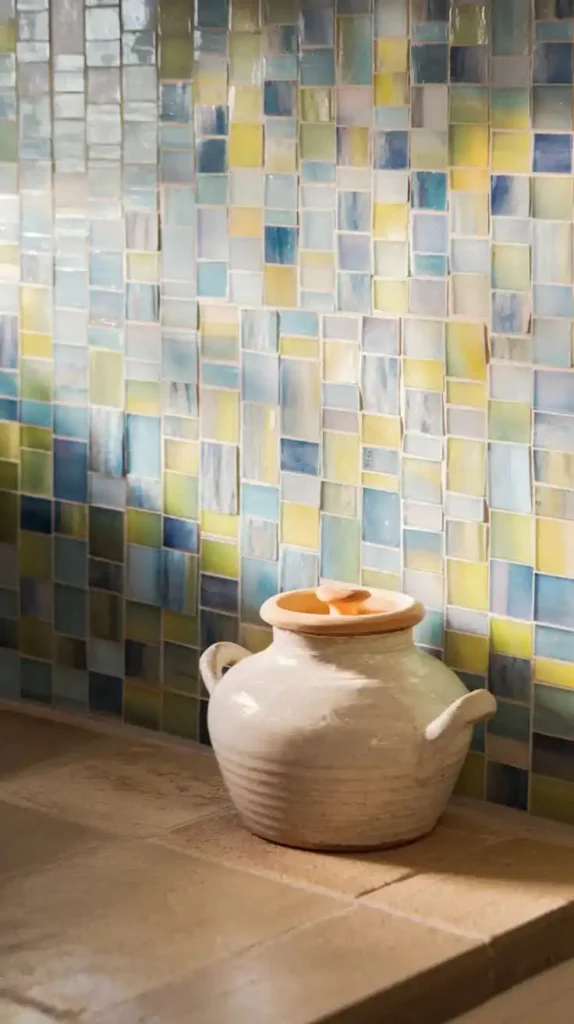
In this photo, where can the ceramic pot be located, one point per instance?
(341, 735)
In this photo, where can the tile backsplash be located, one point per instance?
(286, 292)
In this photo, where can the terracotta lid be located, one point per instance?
(338, 610)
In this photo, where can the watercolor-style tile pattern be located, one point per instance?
(286, 294)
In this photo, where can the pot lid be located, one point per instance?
(338, 610)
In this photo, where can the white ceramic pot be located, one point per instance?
(341, 735)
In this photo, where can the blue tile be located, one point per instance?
(70, 470)
(182, 534)
(216, 628)
(35, 514)
(509, 195)
(553, 301)
(469, 64)
(219, 477)
(552, 154)
(107, 446)
(179, 358)
(354, 292)
(554, 391)
(143, 443)
(429, 63)
(141, 493)
(260, 378)
(259, 581)
(106, 694)
(317, 67)
(279, 99)
(391, 150)
(554, 600)
(299, 456)
(70, 604)
(554, 643)
(212, 13)
(428, 190)
(178, 581)
(511, 589)
(507, 785)
(381, 517)
(143, 574)
(510, 678)
(72, 421)
(298, 569)
(38, 414)
(280, 245)
(509, 477)
(211, 280)
(510, 312)
(8, 341)
(219, 593)
(354, 211)
(354, 252)
(211, 156)
(260, 500)
(9, 410)
(36, 681)
(552, 63)
(380, 383)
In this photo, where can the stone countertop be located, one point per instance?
(131, 895)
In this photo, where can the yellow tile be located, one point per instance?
(220, 417)
(559, 469)
(555, 547)
(468, 541)
(299, 525)
(8, 36)
(391, 54)
(390, 296)
(463, 179)
(219, 557)
(317, 142)
(143, 622)
(469, 145)
(380, 580)
(341, 362)
(391, 89)
(342, 458)
(245, 17)
(181, 456)
(429, 150)
(466, 351)
(316, 104)
(220, 524)
(245, 104)
(280, 285)
(106, 378)
(37, 346)
(511, 152)
(467, 584)
(474, 396)
(555, 673)
(299, 348)
(143, 527)
(210, 88)
(317, 271)
(35, 555)
(245, 146)
(467, 652)
(466, 467)
(357, 147)
(510, 637)
(143, 266)
(35, 309)
(385, 431)
(9, 440)
(426, 374)
(72, 520)
(391, 221)
(143, 396)
(179, 629)
(471, 779)
(245, 221)
(511, 537)
(380, 481)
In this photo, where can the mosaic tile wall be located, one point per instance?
(286, 292)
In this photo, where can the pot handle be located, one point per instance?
(217, 658)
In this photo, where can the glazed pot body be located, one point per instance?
(339, 742)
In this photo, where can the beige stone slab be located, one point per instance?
(222, 838)
(496, 891)
(134, 789)
(107, 925)
(17, 1013)
(27, 742)
(359, 967)
(30, 839)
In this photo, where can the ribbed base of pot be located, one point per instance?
(318, 847)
